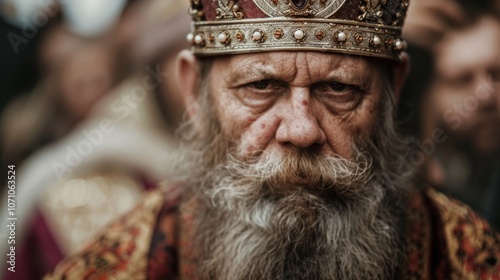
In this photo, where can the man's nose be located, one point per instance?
(299, 125)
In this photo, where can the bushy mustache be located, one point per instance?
(289, 174)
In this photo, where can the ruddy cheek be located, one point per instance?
(341, 134)
(340, 145)
(258, 136)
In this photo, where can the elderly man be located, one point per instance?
(291, 168)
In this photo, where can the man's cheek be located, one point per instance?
(363, 125)
(344, 136)
(251, 144)
(257, 137)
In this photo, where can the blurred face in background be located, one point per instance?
(84, 77)
(56, 44)
(466, 90)
(77, 71)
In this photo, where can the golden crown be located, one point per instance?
(360, 27)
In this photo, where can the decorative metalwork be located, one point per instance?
(375, 30)
(228, 9)
(354, 39)
(320, 34)
(372, 11)
(300, 8)
(196, 11)
(278, 33)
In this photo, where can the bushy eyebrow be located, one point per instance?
(341, 70)
(360, 78)
(254, 73)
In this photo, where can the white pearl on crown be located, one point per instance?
(222, 37)
(341, 36)
(299, 34)
(198, 39)
(257, 35)
(400, 45)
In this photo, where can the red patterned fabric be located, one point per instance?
(251, 10)
(446, 240)
(209, 10)
(473, 248)
(122, 251)
(163, 261)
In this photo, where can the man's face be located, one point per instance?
(272, 103)
(466, 93)
(295, 154)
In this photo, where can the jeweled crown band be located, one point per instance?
(249, 36)
(359, 27)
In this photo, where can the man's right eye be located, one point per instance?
(260, 85)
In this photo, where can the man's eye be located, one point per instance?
(339, 96)
(335, 87)
(340, 86)
(261, 85)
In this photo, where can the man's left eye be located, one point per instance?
(261, 85)
(340, 86)
(335, 88)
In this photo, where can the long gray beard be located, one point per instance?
(300, 216)
(251, 227)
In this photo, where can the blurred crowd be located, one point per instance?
(451, 103)
(95, 129)
(90, 106)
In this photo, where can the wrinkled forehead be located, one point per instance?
(298, 63)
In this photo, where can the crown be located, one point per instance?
(359, 27)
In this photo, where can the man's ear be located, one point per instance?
(401, 72)
(189, 79)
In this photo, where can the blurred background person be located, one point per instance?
(70, 193)
(76, 73)
(454, 91)
(464, 100)
(41, 37)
